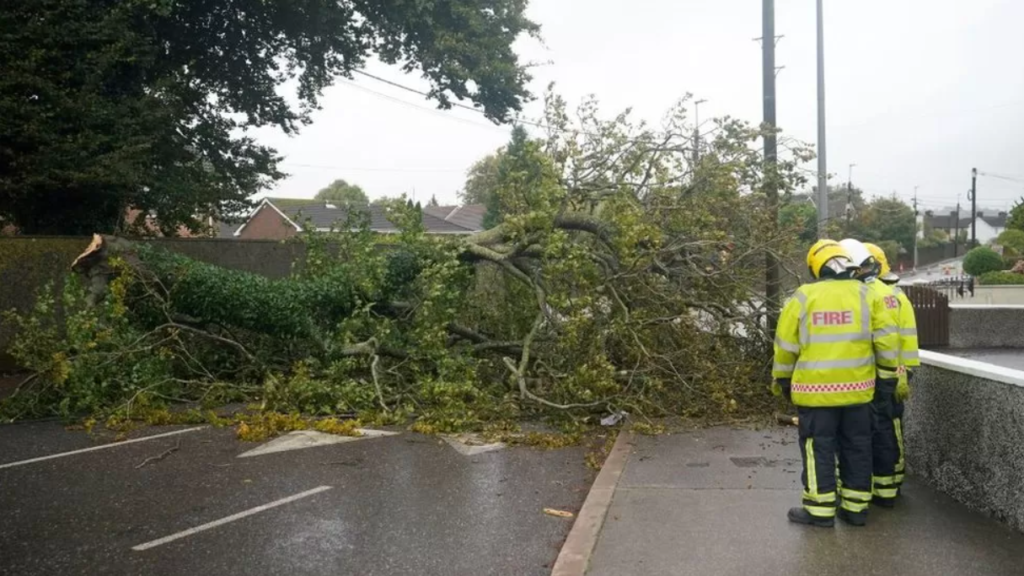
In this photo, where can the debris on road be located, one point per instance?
(559, 513)
(161, 456)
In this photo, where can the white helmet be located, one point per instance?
(857, 251)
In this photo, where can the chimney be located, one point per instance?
(1002, 214)
(929, 213)
(981, 214)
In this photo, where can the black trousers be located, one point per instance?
(901, 465)
(884, 444)
(823, 432)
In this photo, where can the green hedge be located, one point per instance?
(981, 260)
(1001, 278)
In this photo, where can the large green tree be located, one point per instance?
(109, 104)
(341, 192)
(482, 179)
(1016, 217)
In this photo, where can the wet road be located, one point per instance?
(404, 504)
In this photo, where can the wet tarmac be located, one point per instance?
(186, 504)
(713, 502)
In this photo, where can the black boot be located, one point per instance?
(802, 516)
(884, 502)
(853, 518)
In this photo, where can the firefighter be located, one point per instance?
(830, 336)
(909, 358)
(884, 446)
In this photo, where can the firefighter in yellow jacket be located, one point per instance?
(884, 449)
(831, 336)
(909, 358)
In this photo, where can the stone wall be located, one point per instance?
(28, 263)
(964, 433)
(977, 326)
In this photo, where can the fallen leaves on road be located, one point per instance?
(559, 513)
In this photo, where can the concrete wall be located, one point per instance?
(964, 433)
(998, 295)
(978, 326)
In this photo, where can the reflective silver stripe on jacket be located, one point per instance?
(885, 331)
(908, 331)
(794, 348)
(802, 299)
(888, 354)
(776, 367)
(865, 311)
(832, 364)
(847, 337)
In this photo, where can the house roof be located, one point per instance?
(470, 216)
(994, 220)
(323, 216)
(947, 221)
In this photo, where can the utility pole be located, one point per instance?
(770, 157)
(822, 174)
(696, 131)
(974, 207)
(849, 194)
(915, 227)
(956, 239)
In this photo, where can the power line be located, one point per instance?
(347, 169)
(425, 109)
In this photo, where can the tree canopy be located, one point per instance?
(107, 104)
(621, 276)
(482, 179)
(341, 192)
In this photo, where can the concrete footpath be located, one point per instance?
(713, 502)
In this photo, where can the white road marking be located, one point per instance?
(103, 447)
(310, 439)
(227, 519)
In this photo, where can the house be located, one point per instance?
(988, 226)
(281, 218)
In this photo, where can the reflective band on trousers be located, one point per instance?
(794, 348)
(832, 364)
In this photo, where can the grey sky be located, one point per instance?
(918, 92)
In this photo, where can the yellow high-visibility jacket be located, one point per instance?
(908, 331)
(831, 338)
(891, 299)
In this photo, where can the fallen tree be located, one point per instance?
(622, 275)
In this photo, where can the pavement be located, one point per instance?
(180, 500)
(1005, 357)
(713, 502)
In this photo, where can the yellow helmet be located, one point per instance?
(885, 271)
(821, 252)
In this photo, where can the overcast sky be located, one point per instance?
(918, 93)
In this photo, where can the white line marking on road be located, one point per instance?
(103, 447)
(232, 518)
(310, 439)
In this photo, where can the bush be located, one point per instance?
(982, 260)
(1001, 278)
